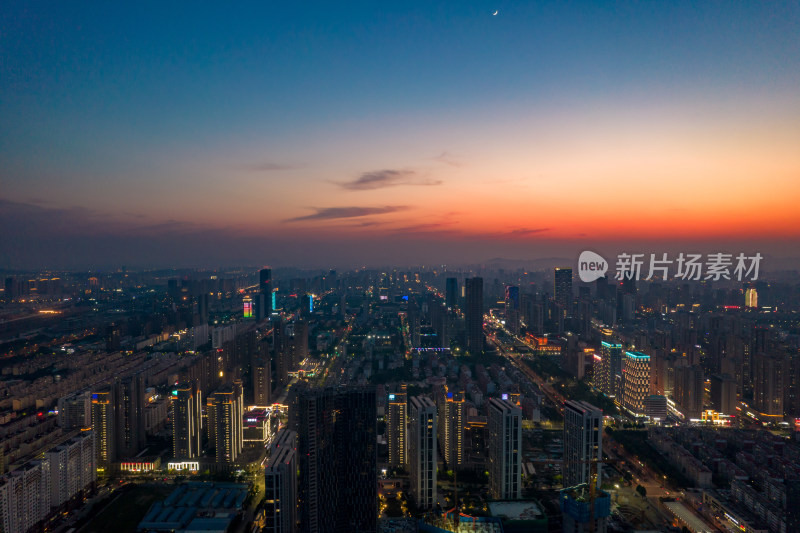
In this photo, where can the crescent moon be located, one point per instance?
(495, 13)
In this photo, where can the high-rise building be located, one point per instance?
(769, 376)
(689, 390)
(473, 314)
(25, 497)
(583, 442)
(280, 475)
(202, 308)
(187, 421)
(113, 336)
(562, 289)
(451, 293)
(610, 367)
(505, 450)
(751, 297)
(225, 424)
(636, 381)
(723, 394)
(262, 380)
(104, 428)
(282, 352)
(396, 423)
(129, 408)
(75, 411)
(337, 453)
(72, 468)
(414, 321)
(422, 452)
(298, 343)
(512, 309)
(452, 417)
(264, 306)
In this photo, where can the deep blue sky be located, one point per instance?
(143, 115)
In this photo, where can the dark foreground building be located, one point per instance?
(338, 462)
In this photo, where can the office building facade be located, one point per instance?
(473, 314)
(583, 442)
(422, 451)
(337, 456)
(505, 450)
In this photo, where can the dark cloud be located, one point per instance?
(379, 179)
(420, 228)
(39, 237)
(35, 222)
(521, 232)
(21, 217)
(333, 213)
(448, 159)
(266, 166)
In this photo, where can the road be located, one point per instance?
(641, 473)
(517, 361)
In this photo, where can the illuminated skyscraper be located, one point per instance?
(396, 422)
(610, 367)
(505, 450)
(422, 451)
(226, 425)
(562, 289)
(751, 297)
(636, 381)
(473, 314)
(104, 428)
(187, 421)
(583, 441)
(452, 416)
(265, 290)
(247, 306)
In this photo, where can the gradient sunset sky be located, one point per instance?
(411, 132)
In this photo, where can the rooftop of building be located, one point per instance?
(692, 521)
(516, 510)
(196, 506)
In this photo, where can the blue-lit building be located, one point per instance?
(576, 507)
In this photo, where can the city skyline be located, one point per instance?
(406, 267)
(356, 134)
(396, 402)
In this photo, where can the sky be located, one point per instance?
(394, 132)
